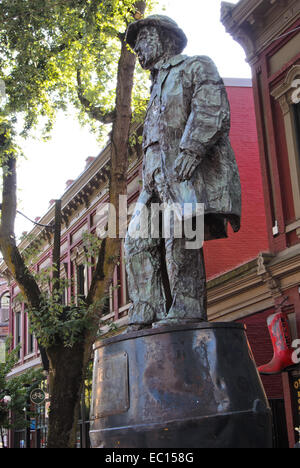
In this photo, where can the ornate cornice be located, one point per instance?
(240, 33)
(253, 286)
(255, 24)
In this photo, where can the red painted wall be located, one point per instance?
(226, 254)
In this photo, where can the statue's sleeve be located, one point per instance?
(209, 117)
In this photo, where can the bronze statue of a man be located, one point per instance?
(188, 159)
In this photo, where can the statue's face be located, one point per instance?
(148, 47)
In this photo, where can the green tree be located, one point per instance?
(52, 53)
(56, 52)
(14, 392)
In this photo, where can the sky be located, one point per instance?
(43, 175)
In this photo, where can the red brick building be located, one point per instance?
(269, 32)
(252, 239)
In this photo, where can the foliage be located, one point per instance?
(56, 52)
(17, 388)
(91, 245)
(55, 323)
(8, 145)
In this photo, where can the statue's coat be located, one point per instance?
(189, 110)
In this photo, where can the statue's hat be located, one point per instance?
(160, 21)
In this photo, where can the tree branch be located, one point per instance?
(94, 112)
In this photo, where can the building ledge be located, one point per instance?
(230, 275)
(19, 369)
(293, 226)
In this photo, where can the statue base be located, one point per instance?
(191, 386)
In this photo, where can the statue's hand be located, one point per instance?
(185, 165)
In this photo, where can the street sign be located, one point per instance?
(37, 396)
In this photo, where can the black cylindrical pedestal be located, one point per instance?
(179, 387)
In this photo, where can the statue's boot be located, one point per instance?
(187, 278)
(280, 334)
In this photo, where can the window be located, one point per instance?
(5, 301)
(284, 94)
(30, 338)
(18, 331)
(4, 307)
(296, 108)
(64, 277)
(30, 342)
(80, 281)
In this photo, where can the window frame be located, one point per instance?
(284, 94)
(296, 112)
(18, 331)
(30, 338)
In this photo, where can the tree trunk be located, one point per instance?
(66, 381)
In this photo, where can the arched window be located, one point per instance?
(296, 109)
(5, 300)
(4, 307)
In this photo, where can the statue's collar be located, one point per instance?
(171, 62)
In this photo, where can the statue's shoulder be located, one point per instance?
(201, 64)
(199, 60)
